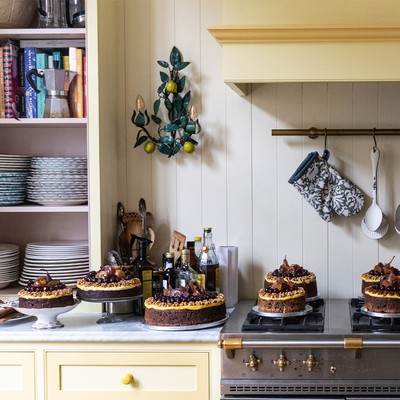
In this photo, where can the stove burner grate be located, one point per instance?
(313, 322)
(361, 322)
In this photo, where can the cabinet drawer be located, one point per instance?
(17, 375)
(169, 375)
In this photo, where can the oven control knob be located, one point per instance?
(311, 362)
(282, 362)
(332, 369)
(253, 362)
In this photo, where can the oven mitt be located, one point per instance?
(312, 180)
(347, 198)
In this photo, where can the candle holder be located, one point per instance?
(175, 133)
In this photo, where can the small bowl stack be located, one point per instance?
(9, 264)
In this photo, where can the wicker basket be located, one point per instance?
(17, 13)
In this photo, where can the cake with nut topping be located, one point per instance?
(45, 292)
(374, 275)
(384, 296)
(295, 273)
(283, 296)
(184, 306)
(109, 283)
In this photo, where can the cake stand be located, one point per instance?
(110, 317)
(46, 317)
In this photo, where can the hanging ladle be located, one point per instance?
(373, 216)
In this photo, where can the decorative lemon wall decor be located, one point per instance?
(176, 133)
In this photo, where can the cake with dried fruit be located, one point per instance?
(45, 292)
(295, 273)
(184, 306)
(109, 283)
(374, 275)
(384, 296)
(283, 296)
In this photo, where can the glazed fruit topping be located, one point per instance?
(44, 284)
(281, 286)
(389, 282)
(383, 269)
(109, 274)
(290, 271)
(191, 292)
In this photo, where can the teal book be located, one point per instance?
(41, 64)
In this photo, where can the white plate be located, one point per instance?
(307, 310)
(187, 327)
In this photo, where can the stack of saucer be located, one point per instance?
(58, 181)
(14, 171)
(9, 264)
(67, 261)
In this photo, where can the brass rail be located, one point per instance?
(315, 132)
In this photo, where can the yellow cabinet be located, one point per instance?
(17, 376)
(127, 375)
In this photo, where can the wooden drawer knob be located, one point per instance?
(127, 379)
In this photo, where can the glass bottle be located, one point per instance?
(169, 275)
(144, 271)
(197, 246)
(186, 272)
(208, 262)
(193, 258)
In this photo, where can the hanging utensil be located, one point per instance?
(142, 212)
(397, 221)
(373, 216)
(380, 232)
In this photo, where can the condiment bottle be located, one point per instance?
(186, 272)
(169, 275)
(208, 262)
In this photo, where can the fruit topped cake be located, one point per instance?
(295, 273)
(283, 296)
(110, 282)
(384, 296)
(375, 274)
(184, 306)
(45, 292)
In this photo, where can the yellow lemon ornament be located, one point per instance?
(189, 147)
(149, 147)
(171, 87)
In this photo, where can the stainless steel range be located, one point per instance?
(335, 351)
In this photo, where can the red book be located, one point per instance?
(10, 70)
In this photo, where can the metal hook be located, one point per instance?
(326, 137)
(373, 135)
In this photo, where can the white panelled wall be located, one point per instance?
(236, 181)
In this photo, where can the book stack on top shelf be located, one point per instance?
(17, 97)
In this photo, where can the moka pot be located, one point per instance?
(57, 83)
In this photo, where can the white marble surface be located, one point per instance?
(82, 327)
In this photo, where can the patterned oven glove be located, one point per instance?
(312, 180)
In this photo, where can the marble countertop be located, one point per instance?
(83, 327)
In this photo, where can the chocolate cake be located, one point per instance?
(295, 273)
(384, 296)
(109, 283)
(283, 296)
(45, 292)
(375, 274)
(185, 306)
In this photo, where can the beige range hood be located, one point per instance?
(309, 41)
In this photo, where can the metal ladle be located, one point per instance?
(373, 217)
(397, 221)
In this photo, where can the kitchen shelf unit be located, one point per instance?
(68, 137)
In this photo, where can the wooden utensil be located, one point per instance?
(176, 244)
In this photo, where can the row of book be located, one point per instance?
(18, 99)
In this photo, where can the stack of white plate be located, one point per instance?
(9, 264)
(67, 261)
(14, 171)
(58, 181)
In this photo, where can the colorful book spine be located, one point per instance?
(10, 66)
(30, 94)
(73, 87)
(21, 84)
(41, 64)
(84, 87)
(2, 109)
(79, 83)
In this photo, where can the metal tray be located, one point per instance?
(186, 328)
(307, 310)
(378, 314)
(111, 300)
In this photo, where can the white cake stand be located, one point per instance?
(46, 317)
(109, 317)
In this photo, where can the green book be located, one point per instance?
(41, 64)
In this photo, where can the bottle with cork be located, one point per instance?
(208, 262)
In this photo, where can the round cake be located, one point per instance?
(384, 296)
(45, 292)
(184, 306)
(295, 273)
(375, 274)
(283, 296)
(109, 283)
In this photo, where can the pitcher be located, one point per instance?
(57, 83)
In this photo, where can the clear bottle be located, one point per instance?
(208, 262)
(185, 272)
(169, 275)
(197, 246)
(143, 271)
